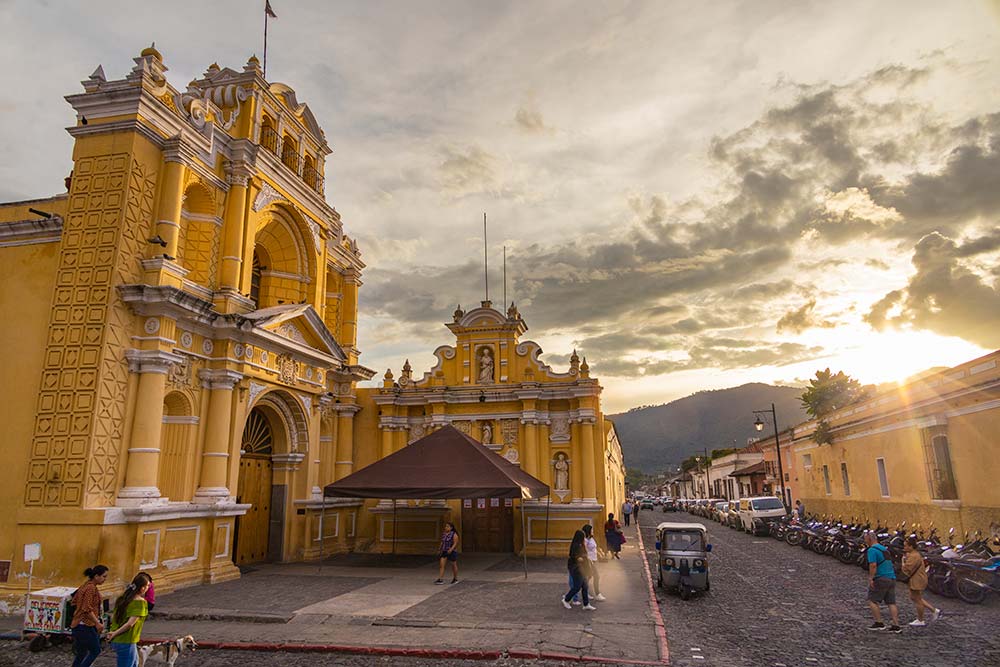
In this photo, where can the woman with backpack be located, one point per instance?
(127, 619)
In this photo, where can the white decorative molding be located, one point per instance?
(207, 346)
(238, 350)
(266, 197)
(187, 340)
(152, 325)
(256, 388)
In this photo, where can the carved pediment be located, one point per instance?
(298, 324)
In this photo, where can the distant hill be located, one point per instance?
(656, 436)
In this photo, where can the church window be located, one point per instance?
(290, 154)
(269, 135)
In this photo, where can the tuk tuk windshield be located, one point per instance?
(688, 540)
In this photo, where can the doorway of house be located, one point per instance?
(254, 488)
(487, 525)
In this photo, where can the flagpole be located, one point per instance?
(265, 39)
(486, 259)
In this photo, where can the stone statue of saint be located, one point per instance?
(562, 472)
(486, 366)
(487, 434)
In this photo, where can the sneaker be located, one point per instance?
(877, 626)
(916, 623)
(454, 581)
(895, 629)
(935, 615)
(439, 581)
(600, 598)
(589, 607)
(576, 603)
(566, 604)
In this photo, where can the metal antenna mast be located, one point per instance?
(486, 259)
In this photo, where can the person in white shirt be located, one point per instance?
(591, 544)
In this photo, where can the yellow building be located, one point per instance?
(182, 362)
(924, 452)
(492, 386)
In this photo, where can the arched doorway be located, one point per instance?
(254, 489)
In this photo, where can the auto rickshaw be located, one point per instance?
(682, 557)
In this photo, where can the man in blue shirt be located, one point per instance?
(627, 510)
(881, 584)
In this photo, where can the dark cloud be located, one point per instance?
(803, 318)
(943, 295)
(876, 263)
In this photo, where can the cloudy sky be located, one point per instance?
(693, 195)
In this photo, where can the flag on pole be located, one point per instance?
(268, 10)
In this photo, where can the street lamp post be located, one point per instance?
(759, 425)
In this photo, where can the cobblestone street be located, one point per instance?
(772, 604)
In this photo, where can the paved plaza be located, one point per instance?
(392, 602)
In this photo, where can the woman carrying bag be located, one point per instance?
(579, 569)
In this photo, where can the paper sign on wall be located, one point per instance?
(467, 503)
(508, 502)
(32, 551)
(481, 503)
(494, 502)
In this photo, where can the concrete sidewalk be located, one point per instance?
(354, 601)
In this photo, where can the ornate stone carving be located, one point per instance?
(485, 371)
(248, 352)
(307, 402)
(508, 429)
(179, 374)
(207, 346)
(287, 369)
(266, 197)
(187, 340)
(238, 350)
(511, 455)
(559, 429)
(417, 431)
(256, 389)
(463, 426)
(290, 331)
(152, 325)
(487, 433)
(561, 465)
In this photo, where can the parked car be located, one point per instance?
(757, 513)
(733, 515)
(719, 511)
(646, 504)
(669, 505)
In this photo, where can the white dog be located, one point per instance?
(166, 652)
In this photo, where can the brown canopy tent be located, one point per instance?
(445, 464)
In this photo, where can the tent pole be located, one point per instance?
(394, 526)
(524, 540)
(548, 504)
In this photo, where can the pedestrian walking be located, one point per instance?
(449, 553)
(578, 565)
(635, 513)
(614, 536)
(627, 510)
(150, 596)
(86, 625)
(591, 544)
(914, 568)
(127, 620)
(881, 584)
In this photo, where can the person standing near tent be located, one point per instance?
(579, 569)
(449, 553)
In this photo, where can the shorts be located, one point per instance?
(453, 556)
(884, 591)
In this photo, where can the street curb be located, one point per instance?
(204, 614)
(438, 653)
(661, 629)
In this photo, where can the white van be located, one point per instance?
(756, 513)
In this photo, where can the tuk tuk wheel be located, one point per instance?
(685, 593)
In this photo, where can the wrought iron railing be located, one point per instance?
(270, 139)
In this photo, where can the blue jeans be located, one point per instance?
(86, 645)
(127, 654)
(578, 584)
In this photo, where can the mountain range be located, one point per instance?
(656, 437)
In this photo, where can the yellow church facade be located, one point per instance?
(182, 371)
(492, 386)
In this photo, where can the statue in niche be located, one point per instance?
(487, 433)
(486, 365)
(562, 472)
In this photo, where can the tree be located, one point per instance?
(826, 393)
